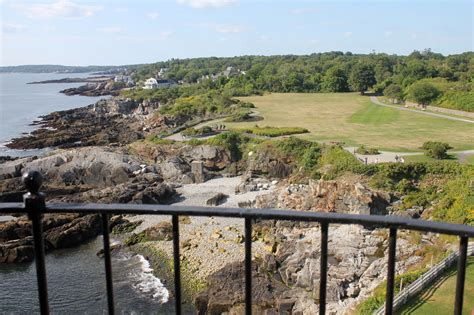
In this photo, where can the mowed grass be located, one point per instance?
(374, 115)
(439, 298)
(354, 120)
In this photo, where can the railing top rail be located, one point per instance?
(253, 213)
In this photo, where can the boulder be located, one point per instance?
(225, 290)
(218, 199)
(17, 251)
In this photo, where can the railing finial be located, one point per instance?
(32, 181)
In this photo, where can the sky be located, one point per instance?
(92, 32)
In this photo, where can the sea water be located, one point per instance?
(76, 277)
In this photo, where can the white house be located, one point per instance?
(153, 83)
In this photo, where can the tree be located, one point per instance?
(362, 77)
(423, 93)
(436, 149)
(335, 80)
(394, 92)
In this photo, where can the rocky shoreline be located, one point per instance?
(101, 157)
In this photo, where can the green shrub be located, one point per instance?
(191, 132)
(336, 161)
(405, 186)
(247, 105)
(157, 140)
(239, 116)
(436, 149)
(367, 151)
(273, 131)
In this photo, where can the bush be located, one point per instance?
(337, 161)
(239, 116)
(191, 132)
(274, 131)
(367, 151)
(247, 105)
(405, 186)
(436, 149)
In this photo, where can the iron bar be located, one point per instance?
(461, 276)
(108, 263)
(392, 244)
(263, 214)
(248, 266)
(323, 268)
(37, 228)
(34, 206)
(176, 264)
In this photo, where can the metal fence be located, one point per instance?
(34, 206)
(425, 280)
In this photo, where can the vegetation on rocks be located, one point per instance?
(377, 299)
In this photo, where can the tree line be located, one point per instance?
(326, 72)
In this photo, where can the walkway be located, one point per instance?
(377, 102)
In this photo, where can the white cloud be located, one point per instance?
(153, 15)
(10, 28)
(199, 4)
(348, 34)
(111, 29)
(58, 9)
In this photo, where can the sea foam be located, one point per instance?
(146, 283)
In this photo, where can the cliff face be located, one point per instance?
(328, 196)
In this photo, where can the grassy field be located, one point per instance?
(439, 299)
(354, 120)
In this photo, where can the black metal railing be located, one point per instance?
(35, 206)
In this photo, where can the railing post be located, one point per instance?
(176, 260)
(34, 206)
(461, 276)
(248, 266)
(323, 269)
(108, 263)
(392, 244)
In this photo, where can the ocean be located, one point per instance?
(76, 277)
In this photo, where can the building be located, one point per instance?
(162, 72)
(124, 79)
(153, 83)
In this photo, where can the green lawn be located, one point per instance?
(439, 299)
(424, 158)
(354, 120)
(469, 159)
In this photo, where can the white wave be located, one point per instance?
(146, 283)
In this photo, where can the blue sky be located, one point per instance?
(84, 32)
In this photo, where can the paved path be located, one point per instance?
(387, 156)
(377, 102)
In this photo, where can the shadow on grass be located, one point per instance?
(425, 296)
